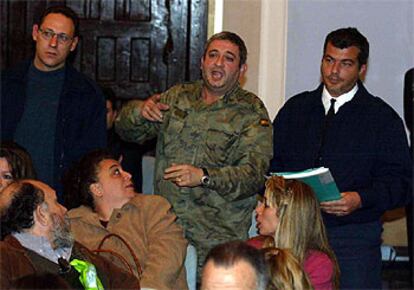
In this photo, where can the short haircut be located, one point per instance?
(233, 38)
(228, 254)
(17, 216)
(78, 179)
(64, 10)
(346, 37)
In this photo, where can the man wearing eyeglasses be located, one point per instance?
(47, 106)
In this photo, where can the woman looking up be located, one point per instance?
(110, 205)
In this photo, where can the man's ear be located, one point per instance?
(201, 62)
(96, 189)
(74, 43)
(243, 69)
(35, 32)
(41, 215)
(362, 71)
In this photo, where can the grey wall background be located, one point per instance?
(388, 25)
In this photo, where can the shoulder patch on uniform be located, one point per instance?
(264, 122)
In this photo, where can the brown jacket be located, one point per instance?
(15, 263)
(148, 225)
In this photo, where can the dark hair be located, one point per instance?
(18, 215)
(228, 254)
(18, 159)
(64, 10)
(77, 181)
(346, 37)
(233, 38)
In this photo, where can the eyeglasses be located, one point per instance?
(62, 38)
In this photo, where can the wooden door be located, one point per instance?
(136, 47)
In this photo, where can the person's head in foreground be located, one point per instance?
(290, 217)
(234, 265)
(30, 206)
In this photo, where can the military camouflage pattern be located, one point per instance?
(232, 138)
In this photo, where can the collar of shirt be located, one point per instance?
(342, 99)
(41, 246)
(226, 95)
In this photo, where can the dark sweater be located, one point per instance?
(39, 119)
(80, 120)
(365, 148)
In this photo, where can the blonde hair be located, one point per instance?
(285, 271)
(300, 228)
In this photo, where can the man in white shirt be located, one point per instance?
(362, 140)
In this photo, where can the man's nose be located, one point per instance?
(126, 175)
(219, 61)
(53, 42)
(335, 67)
(259, 207)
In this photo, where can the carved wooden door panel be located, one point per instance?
(136, 47)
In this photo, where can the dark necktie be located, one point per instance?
(331, 112)
(328, 118)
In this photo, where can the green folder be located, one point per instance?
(320, 179)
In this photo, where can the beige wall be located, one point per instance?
(243, 17)
(261, 24)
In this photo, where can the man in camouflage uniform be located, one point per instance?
(214, 145)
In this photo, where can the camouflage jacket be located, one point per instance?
(231, 138)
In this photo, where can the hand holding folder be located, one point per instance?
(320, 179)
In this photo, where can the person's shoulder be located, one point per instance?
(186, 87)
(11, 250)
(249, 101)
(141, 200)
(181, 92)
(81, 82)
(75, 74)
(304, 98)
(4, 246)
(9, 244)
(376, 105)
(79, 212)
(244, 96)
(300, 105)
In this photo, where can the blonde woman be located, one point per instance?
(289, 218)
